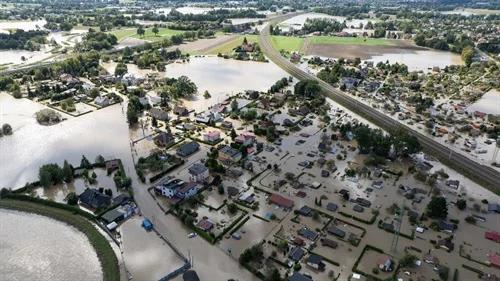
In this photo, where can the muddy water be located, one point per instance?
(24, 25)
(102, 132)
(420, 60)
(488, 103)
(28, 252)
(224, 77)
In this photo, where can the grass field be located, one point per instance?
(228, 47)
(149, 35)
(287, 43)
(350, 41)
(163, 32)
(105, 253)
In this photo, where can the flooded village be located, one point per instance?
(173, 154)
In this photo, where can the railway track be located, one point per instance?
(484, 175)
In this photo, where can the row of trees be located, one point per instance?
(20, 39)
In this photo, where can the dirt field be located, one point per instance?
(358, 51)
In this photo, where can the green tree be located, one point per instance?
(67, 171)
(467, 55)
(461, 204)
(50, 174)
(155, 30)
(437, 208)
(72, 198)
(141, 31)
(121, 69)
(232, 208)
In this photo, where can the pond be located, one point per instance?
(28, 250)
(224, 77)
(489, 103)
(103, 132)
(420, 59)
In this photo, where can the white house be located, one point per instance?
(198, 172)
(188, 190)
(212, 136)
(102, 101)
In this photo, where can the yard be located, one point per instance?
(287, 43)
(149, 35)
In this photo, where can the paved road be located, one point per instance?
(484, 175)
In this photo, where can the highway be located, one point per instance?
(484, 175)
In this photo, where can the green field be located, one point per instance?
(287, 43)
(350, 41)
(123, 33)
(163, 32)
(149, 35)
(228, 47)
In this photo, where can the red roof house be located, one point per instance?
(492, 235)
(281, 201)
(494, 260)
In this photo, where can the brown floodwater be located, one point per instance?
(27, 250)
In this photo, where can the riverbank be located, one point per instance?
(105, 254)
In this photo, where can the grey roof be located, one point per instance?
(94, 199)
(305, 211)
(190, 275)
(298, 277)
(159, 113)
(197, 169)
(188, 148)
(296, 253)
(112, 216)
(229, 150)
(336, 231)
(307, 233)
(332, 207)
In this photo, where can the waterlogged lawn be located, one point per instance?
(350, 41)
(287, 43)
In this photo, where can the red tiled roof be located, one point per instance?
(281, 201)
(494, 260)
(492, 235)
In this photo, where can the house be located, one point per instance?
(102, 101)
(494, 260)
(115, 215)
(446, 227)
(329, 243)
(446, 244)
(190, 275)
(247, 197)
(332, 207)
(453, 184)
(180, 110)
(378, 184)
(315, 262)
(296, 276)
(211, 137)
(493, 208)
(93, 199)
(295, 57)
(228, 154)
(232, 191)
(363, 202)
(245, 139)
(296, 253)
(159, 114)
(385, 263)
(226, 125)
(305, 211)
(492, 235)
(188, 149)
(112, 165)
(280, 201)
(209, 117)
(188, 190)
(298, 241)
(336, 231)
(205, 225)
(307, 233)
(164, 139)
(430, 259)
(198, 172)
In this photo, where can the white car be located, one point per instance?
(192, 235)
